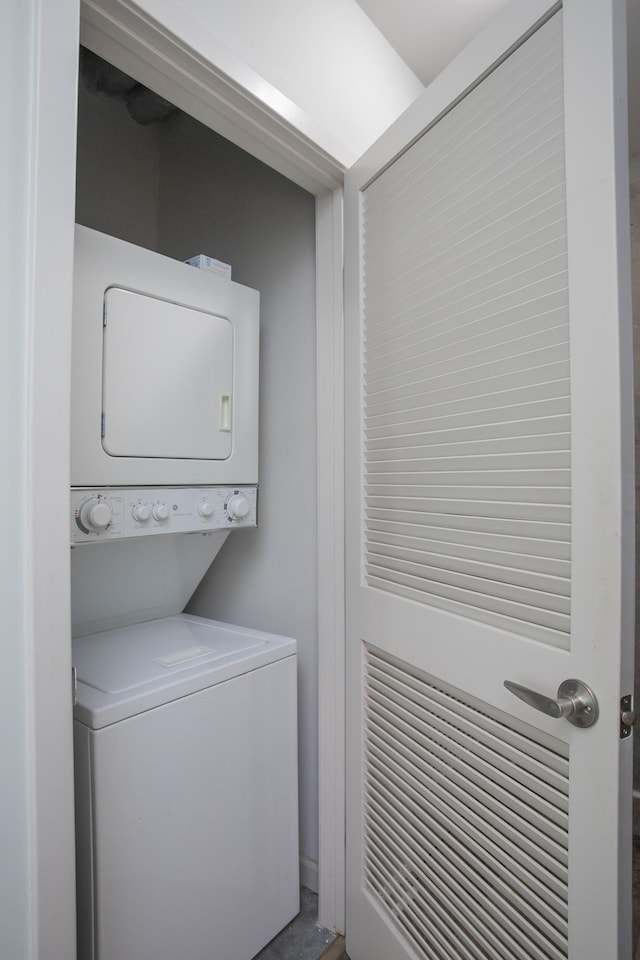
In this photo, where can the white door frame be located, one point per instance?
(222, 92)
(38, 42)
(230, 98)
(331, 569)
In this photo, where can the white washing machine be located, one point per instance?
(186, 790)
(185, 729)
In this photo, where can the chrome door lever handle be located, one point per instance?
(575, 701)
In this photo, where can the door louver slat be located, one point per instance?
(536, 759)
(452, 537)
(539, 381)
(477, 911)
(429, 359)
(445, 852)
(465, 820)
(554, 533)
(452, 416)
(450, 143)
(452, 552)
(510, 614)
(514, 848)
(504, 311)
(466, 355)
(458, 371)
(507, 574)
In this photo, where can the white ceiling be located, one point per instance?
(429, 33)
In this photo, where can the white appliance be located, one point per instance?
(164, 427)
(185, 728)
(186, 797)
(145, 566)
(164, 381)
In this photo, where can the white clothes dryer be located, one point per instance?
(186, 790)
(164, 372)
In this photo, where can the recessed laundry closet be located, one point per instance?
(151, 176)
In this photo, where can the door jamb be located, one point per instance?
(331, 592)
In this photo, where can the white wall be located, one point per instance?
(217, 200)
(326, 57)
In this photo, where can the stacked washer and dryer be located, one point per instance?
(184, 728)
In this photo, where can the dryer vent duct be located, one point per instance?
(102, 78)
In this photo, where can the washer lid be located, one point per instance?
(118, 661)
(131, 669)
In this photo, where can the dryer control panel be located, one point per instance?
(112, 513)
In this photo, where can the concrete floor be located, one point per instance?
(302, 939)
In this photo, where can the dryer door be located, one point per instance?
(167, 379)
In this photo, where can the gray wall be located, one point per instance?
(178, 188)
(219, 201)
(118, 171)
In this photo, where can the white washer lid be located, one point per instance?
(131, 669)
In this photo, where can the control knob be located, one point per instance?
(205, 509)
(160, 511)
(141, 512)
(237, 507)
(95, 514)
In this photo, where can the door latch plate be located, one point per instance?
(627, 717)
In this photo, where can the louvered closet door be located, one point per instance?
(489, 450)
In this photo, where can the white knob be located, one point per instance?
(237, 507)
(160, 511)
(205, 509)
(141, 512)
(95, 514)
